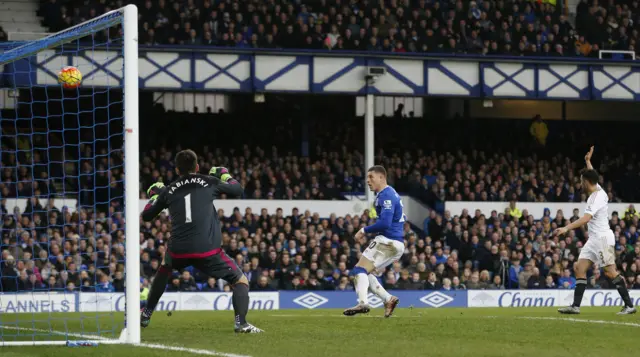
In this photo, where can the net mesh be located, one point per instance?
(62, 254)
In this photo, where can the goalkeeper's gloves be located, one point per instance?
(154, 190)
(220, 172)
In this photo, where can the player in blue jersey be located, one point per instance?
(384, 249)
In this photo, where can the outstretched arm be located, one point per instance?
(587, 159)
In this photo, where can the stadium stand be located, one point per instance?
(49, 247)
(305, 252)
(519, 28)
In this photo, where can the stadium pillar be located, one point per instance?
(369, 137)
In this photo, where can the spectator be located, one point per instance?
(446, 285)
(263, 285)
(539, 131)
(105, 285)
(403, 283)
(496, 284)
(457, 285)
(524, 275)
(549, 283)
(416, 283)
(118, 282)
(211, 285)
(174, 287)
(567, 281)
(187, 283)
(535, 281)
(485, 30)
(474, 283)
(514, 274)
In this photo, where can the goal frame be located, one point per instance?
(128, 17)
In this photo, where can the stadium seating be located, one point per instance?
(506, 164)
(50, 248)
(520, 28)
(459, 252)
(41, 241)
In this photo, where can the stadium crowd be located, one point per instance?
(48, 248)
(517, 27)
(493, 160)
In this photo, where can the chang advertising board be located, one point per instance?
(603, 297)
(257, 301)
(37, 302)
(546, 298)
(181, 301)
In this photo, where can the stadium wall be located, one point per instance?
(535, 208)
(164, 68)
(212, 301)
(413, 209)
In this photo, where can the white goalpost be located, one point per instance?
(72, 230)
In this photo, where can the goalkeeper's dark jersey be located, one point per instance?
(195, 227)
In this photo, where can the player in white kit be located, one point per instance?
(600, 246)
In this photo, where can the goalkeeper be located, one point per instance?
(196, 237)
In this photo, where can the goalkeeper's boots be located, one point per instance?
(390, 305)
(569, 310)
(358, 309)
(145, 318)
(627, 311)
(247, 328)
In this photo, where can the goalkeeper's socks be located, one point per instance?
(157, 287)
(581, 285)
(240, 302)
(620, 284)
(376, 288)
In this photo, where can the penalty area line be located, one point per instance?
(104, 340)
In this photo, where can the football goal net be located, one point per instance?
(69, 187)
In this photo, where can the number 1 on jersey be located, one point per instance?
(187, 206)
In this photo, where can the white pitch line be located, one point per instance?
(114, 341)
(345, 317)
(571, 319)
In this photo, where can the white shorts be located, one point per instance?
(383, 251)
(600, 249)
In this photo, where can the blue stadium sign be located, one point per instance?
(345, 299)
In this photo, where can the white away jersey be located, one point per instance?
(598, 208)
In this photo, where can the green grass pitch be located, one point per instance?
(481, 332)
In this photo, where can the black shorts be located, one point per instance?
(217, 265)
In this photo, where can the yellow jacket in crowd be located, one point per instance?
(539, 130)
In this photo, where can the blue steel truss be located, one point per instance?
(233, 70)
